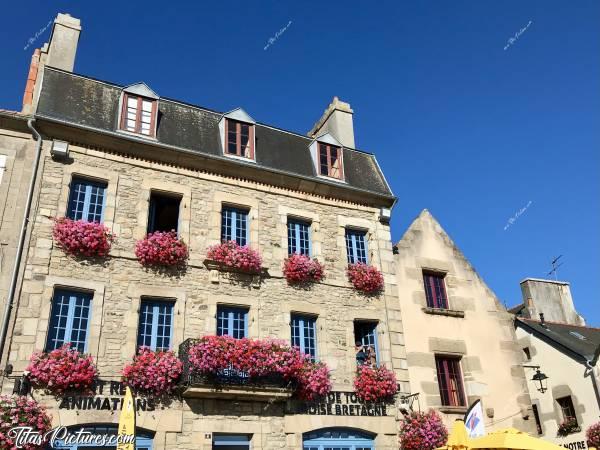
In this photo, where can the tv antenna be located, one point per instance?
(555, 265)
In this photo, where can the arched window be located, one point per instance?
(143, 438)
(338, 439)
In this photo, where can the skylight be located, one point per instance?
(577, 335)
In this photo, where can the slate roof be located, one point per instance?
(582, 342)
(88, 103)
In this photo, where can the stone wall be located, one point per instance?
(120, 281)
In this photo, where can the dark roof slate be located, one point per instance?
(83, 101)
(566, 336)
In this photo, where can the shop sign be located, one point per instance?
(339, 403)
(107, 396)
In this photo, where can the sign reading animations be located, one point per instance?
(107, 396)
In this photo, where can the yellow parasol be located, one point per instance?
(458, 437)
(514, 439)
(127, 423)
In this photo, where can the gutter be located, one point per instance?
(589, 364)
(24, 226)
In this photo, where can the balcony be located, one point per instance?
(229, 383)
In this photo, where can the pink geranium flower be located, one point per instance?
(233, 255)
(62, 370)
(153, 373)
(366, 279)
(161, 248)
(21, 411)
(375, 384)
(422, 431)
(302, 269)
(81, 238)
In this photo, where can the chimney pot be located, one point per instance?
(542, 321)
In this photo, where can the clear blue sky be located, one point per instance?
(460, 126)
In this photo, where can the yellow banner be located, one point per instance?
(126, 437)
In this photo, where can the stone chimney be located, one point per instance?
(336, 120)
(62, 47)
(59, 52)
(551, 300)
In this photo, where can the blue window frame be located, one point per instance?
(231, 442)
(365, 333)
(234, 225)
(304, 334)
(356, 246)
(338, 439)
(155, 328)
(299, 237)
(232, 321)
(69, 319)
(86, 200)
(143, 439)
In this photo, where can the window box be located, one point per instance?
(153, 373)
(233, 257)
(161, 249)
(443, 312)
(260, 369)
(82, 238)
(301, 269)
(453, 409)
(365, 279)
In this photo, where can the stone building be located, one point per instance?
(565, 352)
(139, 162)
(459, 339)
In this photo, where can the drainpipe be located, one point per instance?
(590, 367)
(24, 226)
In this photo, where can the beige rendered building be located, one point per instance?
(460, 341)
(566, 353)
(138, 162)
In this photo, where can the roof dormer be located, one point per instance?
(237, 135)
(138, 110)
(328, 157)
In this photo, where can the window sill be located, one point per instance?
(443, 312)
(240, 158)
(139, 135)
(453, 409)
(338, 180)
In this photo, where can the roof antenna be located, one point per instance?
(555, 266)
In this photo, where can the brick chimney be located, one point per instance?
(59, 52)
(62, 47)
(336, 120)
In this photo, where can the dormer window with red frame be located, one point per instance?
(239, 138)
(138, 115)
(330, 161)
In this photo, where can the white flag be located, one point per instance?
(474, 420)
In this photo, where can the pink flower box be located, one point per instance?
(422, 431)
(161, 248)
(366, 279)
(375, 384)
(299, 269)
(593, 435)
(81, 238)
(232, 255)
(21, 411)
(261, 359)
(154, 374)
(62, 370)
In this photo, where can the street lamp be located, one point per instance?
(540, 378)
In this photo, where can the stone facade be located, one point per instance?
(120, 282)
(474, 328)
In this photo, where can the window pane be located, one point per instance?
(155, 324)
(69, 319)
(298, 237)
(86, 200)
(147, 106)
(132, 102)
(304, 334)
(323, 160)
(231, 321)
(356, 248)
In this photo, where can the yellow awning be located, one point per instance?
(514, 439)
(458, 437)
